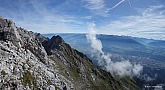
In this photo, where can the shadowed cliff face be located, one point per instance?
(31, 61)
(52, 44)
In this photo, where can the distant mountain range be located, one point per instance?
(153, 49)
(148, 52)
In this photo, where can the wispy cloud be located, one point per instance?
(99, 7)
(87, 17)
(48, 16)
(36, 16)
(149, 24)
(96, 6)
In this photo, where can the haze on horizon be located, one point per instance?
(138, 18)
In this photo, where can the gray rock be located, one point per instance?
(51, 87)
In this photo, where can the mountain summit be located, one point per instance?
(30, 61)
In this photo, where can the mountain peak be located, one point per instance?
(52, 44)
(57, 39)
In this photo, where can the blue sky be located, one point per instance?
(140, 18)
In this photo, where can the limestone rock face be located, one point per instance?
(24, 64)
(30, 61)
(21, 38)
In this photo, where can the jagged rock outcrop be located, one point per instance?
(29, 61)
(24, 63)
(21, 38)
(53, 43)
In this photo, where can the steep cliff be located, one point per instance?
(29, 61)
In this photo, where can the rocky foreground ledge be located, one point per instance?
(30, 61)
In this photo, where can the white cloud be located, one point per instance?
(36, 16)
(87, 17)
(137, 69)
(103, 60)
(99, 7)
(95, 43)
(150, 20)
(96, 6)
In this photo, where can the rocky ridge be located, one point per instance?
(29, 61)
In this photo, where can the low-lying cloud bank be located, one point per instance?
(103, 60)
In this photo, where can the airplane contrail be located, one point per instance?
(129, 3)
(117, 4)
